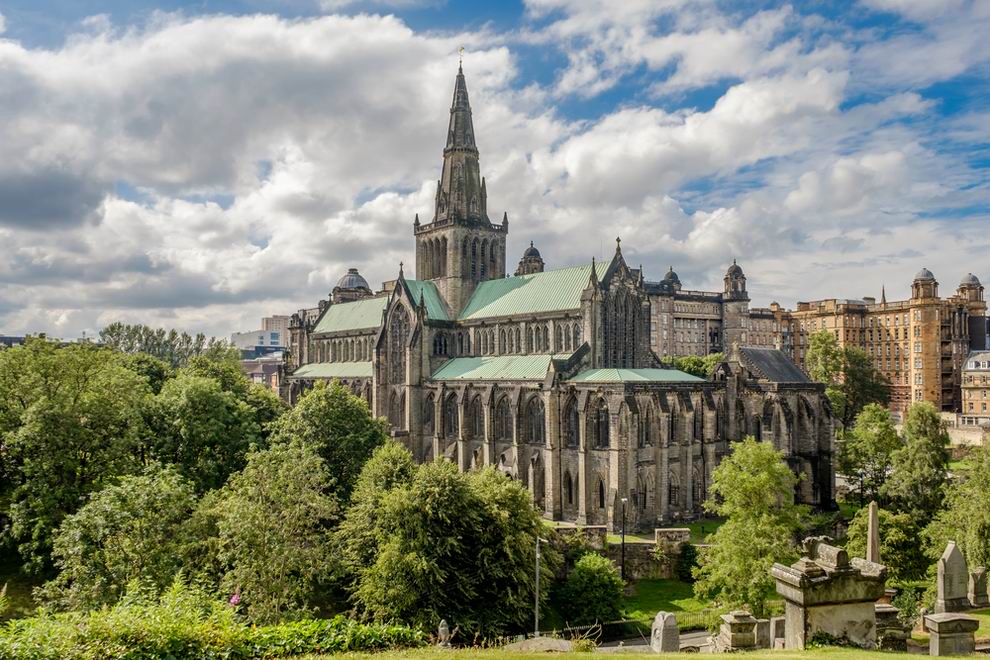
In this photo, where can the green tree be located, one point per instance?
(203, 429)
(900, 550)
(155, 370)
(917, 481)
(71, 419)
(696, 365)
(128, 531)
(851, 381)
(457, 546)
(753, 488)
(867, 452)
(390, 466)
(171, 346)
(273, 520)
(966, 516)
(592, 593)
(339, 426)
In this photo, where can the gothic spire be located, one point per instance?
(461, 193)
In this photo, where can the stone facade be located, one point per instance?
(550, 375)
(975, 410)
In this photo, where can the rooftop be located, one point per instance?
(358, 315)
(550, 291)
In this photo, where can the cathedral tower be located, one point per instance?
(460, 246)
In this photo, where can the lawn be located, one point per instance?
(652, 596)
(983, 632)
(700, 529)
(486, 654)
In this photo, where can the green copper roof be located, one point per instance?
(552, 291)
(358, 315)
(497, 367)
(435, 308)
(333, 370)
(634, 376)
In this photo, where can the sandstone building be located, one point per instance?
(552, 375)
(976, 390)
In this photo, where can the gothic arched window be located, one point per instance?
(535, 421)
(428, 406)
(398, 338)
(474, 259)
(601, 424)
(577, 336)
(451, 423)
(483, 262)
(503, 420)
(572, 424)
(601, 494)
(501, 342)
(476, 419)
(568, 489)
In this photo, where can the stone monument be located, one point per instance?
(978, 595)
(763, 633)
(951, 633)
(664, 635)
(892, 635)
(777, 628)
(736, 633)
(953, 579)
(873, 535)
(825, 591)
(443, 634)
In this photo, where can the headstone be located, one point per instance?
(664, 636)
(978, 596)
(873, 535)
(892, 635)
(951, 633)
(953, 581)
(763, 633)
(777, 630)
(443, 634)
(736, 633)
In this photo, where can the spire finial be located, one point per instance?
(400, 270)
(460, 60)
(531, 244)
(618, 245)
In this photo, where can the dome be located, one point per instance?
(970, 280)
(734, 269)
(671, 276)
(352, 280)
(531, 252)
(924, 274)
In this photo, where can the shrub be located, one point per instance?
(686, 563)
(593, 592)
(186, 622)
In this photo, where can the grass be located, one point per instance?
(700, 529)
(485, 654)
(983, 632)
(652, 596)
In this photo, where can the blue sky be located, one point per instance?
(202, 164)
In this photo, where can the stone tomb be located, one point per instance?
(892, 635)
(763, 633)
(977, 592)
(777, 627)
(664, 635)
(951, 633)
(825, 591)
(953, 581)
(737, 632)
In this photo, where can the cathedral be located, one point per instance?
(550, 375)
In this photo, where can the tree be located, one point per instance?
(696, 365)
(71, 419)
(203, 429)
(339, 426)
(917, 481)
(900, 550)
(127, 531)
(390, 466)
(155, 370)
(851, 381)
(273, 520)
(966, 516)
(170, 346)
(754, 490)
(867, 452)
(455, 546)
(592, 593)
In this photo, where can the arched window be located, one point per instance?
(474, 259)
(476, 419)
(567, 338)
(503, 420)
(601, 424)
(568, 489)
(397, 410)
(398, 338)
(577, 336)
(464, 259)
(697, 487)
(572, 427)
(484, 259)
(451, 423)
(519, 348)
(529, 339)
(601, 494)
(443, 256)
(649, 429)
(428, 406)
(674, 496)
(558, 336)
(546, 339)
(501, 342)
(535, 421)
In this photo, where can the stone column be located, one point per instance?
(584, 488)
(552, 499)
(463, 460)
(687, 463)
(488, 453)
(616, 471)
(663, 470)
(438, 423)
(873, 535)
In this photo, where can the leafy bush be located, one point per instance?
(907, 601)
(593, 592)
(686, 563)
(185, 622)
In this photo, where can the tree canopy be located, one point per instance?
(917, 481)
(171, 346)
(866, 453)
(900, 549)
(966, 516)
(851, 381)
(702, 366)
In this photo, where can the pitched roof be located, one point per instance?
(550, 291)
(497, 367)
(771, 364)
(435, 307)
(634, 376)
(358, 315)
(333, 370)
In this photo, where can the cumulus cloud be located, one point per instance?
(202, 171)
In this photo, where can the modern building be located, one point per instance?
(551, 375)
(976, 390)
(272, 337)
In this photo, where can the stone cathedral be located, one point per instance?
(549, 374)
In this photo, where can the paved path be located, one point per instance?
(696, 638)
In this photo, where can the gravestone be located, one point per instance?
(873, 535)
(777, 632)
(978, 596)
(951, 633)
(892, 635)
(763, 633)
(953, 581)
(736, 633)
(443, 634)
(664, 635)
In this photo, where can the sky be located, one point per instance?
(200, 165)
